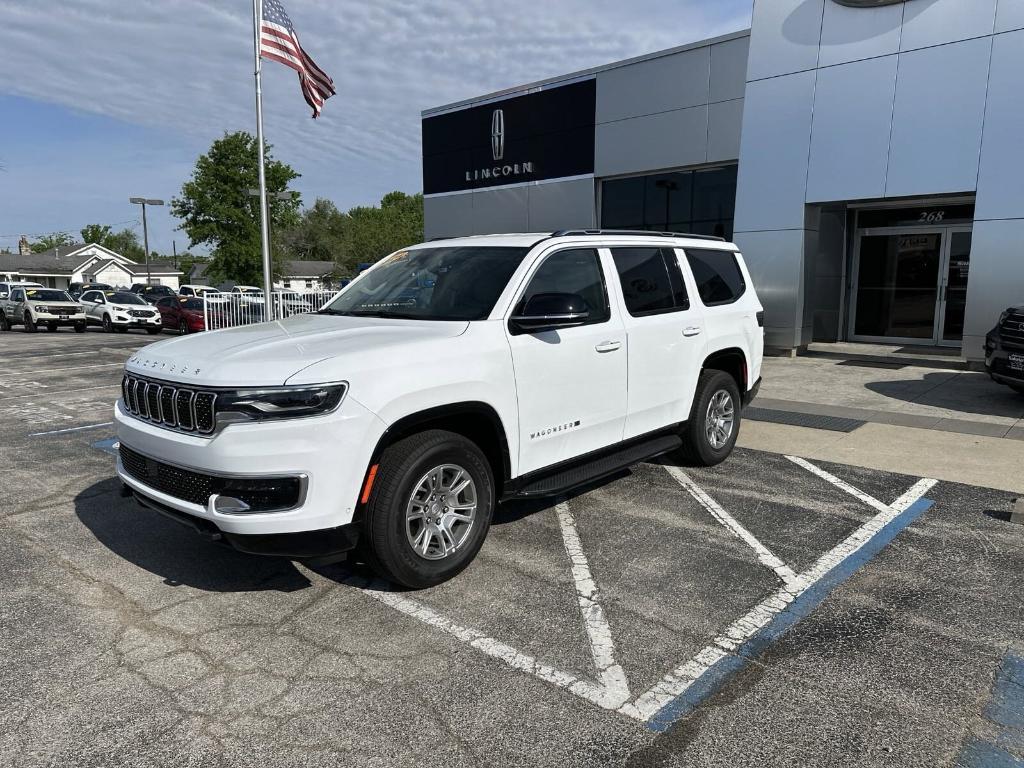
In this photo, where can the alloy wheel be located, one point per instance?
(720, 419)
(441, 512)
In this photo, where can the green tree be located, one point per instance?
(95, 233)
(217, 210)
(318, 235)
(51, 241)
(126, 242)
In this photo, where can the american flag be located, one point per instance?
(278, 42)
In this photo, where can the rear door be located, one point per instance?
(665, 333)
(570, 383)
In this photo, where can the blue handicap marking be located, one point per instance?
(110, 445)
(1005, 712)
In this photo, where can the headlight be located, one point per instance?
(278, 403)
(41, 308)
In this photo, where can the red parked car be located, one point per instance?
(181, 314)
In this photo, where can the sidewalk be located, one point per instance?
(952, 425)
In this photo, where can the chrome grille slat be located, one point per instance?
(182, 409)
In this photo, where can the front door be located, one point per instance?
(570, 383)
(910, 285)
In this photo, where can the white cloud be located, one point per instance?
(185, 67)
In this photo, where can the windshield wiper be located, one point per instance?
(328, 311)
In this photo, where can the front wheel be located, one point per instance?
(183, 328)
(430, 509)
(30, 326)
(710, 434)
(108, 327)
(5, 325)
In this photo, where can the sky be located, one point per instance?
(101, 100)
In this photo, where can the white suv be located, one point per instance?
(448, 377)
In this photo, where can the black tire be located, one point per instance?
(30, 327)
(108, 327)
(401, 467)
(183, 328)
(697, 448)
(79, 327)
(4, 324)
(153, 331)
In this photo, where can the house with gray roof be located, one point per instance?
(84, 263)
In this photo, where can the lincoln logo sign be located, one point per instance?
(868, 3)
(499, 170)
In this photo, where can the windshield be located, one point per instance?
(161, 289)
(38, 295)
(454, 283)
(125, 298)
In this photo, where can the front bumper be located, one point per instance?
(331, 452)
(138, 322)
(50, 319)
(998, 364)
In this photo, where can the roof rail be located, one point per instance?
(643, 232)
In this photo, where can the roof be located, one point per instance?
(528, 240)
(308, 268)
(62, 260)
(155, 267)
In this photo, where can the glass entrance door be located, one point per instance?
(910, 285)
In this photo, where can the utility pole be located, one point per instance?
(143, 201)
(174, 249)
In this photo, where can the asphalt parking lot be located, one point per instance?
(770, 611)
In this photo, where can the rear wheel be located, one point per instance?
(710, 434)
(30, 326)
(431, 506)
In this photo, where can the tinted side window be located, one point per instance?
(573, 271)
(18, 295)
(718, 275)
(651, 280)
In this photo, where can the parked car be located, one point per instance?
(181, 314)
(195, 290)
(150, 293)
(119, 311)
(75, 290)
(248, 293)
(291, 303)
(400, 425)
(1004, 349)
(31, 307)
(5, 293)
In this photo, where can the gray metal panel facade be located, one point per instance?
(657, 85)
(850, 133)
(938, 117)
(1001, 178)
(955, 113)
(934, 22)
(562, 205)
(773, 153)
(651, 142)
(729, 69)
(725, 123)
(1009, 15)
(852, 34)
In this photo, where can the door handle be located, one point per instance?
(608, 346)
(691, 331)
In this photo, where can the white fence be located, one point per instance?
(227, 310)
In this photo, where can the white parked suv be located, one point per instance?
(448, 377)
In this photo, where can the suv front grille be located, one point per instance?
(1012, 329)
(169, 405)
(141, 313)
(262, 494)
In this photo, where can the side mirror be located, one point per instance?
(549, 312)
(3, 295)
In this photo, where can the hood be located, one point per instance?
(267, 354)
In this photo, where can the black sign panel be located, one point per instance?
(937, 215)
(544, 135)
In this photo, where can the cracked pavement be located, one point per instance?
(128, 640)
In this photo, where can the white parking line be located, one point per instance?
(679, 680)
(71, 429)
(602, 647)
(765, 555)
(611, 691)
(50, 370)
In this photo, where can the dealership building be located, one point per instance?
(866, 155)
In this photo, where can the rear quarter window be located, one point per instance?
(717, 274)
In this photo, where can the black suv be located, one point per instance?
(152, 293)
(1004, 349)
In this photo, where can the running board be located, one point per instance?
(594, 469)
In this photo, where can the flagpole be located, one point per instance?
(268, 276)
